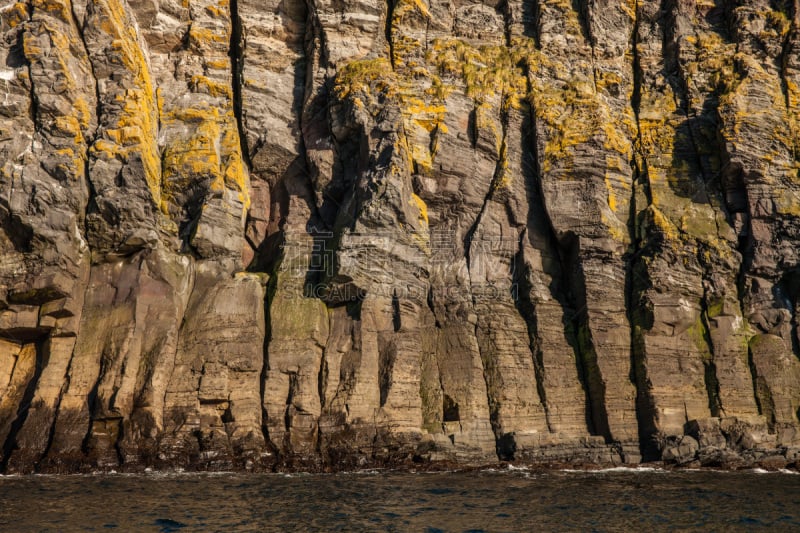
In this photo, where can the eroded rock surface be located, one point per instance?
(324, 234)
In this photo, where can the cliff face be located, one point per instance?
(351, 232)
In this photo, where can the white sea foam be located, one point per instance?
(626, 469)
(779, 471)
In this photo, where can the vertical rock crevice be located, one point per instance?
(715, 406)
(237, 50)
(637, 281)
(566, 292)
(491, 375)
(527, 310)
(10, 445)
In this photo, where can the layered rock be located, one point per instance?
(320, 235)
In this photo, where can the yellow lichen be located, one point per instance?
(421, 206)
(211, 155)
(15, 15)
(406, 9)
(367, 77)
(200, 38)
(661, 222)
(486, 71)
(203, 84)
(65, 125)
(612, 199)
(503, 177)
(219, 11)
(218, 64)
(139, 112)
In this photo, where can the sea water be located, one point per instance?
(503, 499)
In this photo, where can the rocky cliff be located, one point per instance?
(313, 232)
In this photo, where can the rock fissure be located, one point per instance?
(527, 310)
(21, 412)
(237, 48)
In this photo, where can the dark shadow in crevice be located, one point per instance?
(556, 261)
(789, 288)
(10, 444)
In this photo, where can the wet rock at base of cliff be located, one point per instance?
(679, 450)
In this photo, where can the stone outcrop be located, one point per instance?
(307, 234)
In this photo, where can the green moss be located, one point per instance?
(698, 335)
(766, 344)
(715, 308)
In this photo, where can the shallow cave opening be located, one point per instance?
(449, 410)
(227, 415)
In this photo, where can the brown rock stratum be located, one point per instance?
(316, 234)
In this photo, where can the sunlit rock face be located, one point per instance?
(312, 234)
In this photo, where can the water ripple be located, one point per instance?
(626, 499)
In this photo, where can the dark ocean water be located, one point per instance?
(505, 500)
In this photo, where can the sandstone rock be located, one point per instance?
(707, 432)
(318, 234)
(680, 450)
(212, 403)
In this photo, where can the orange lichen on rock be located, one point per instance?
(132, 129)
